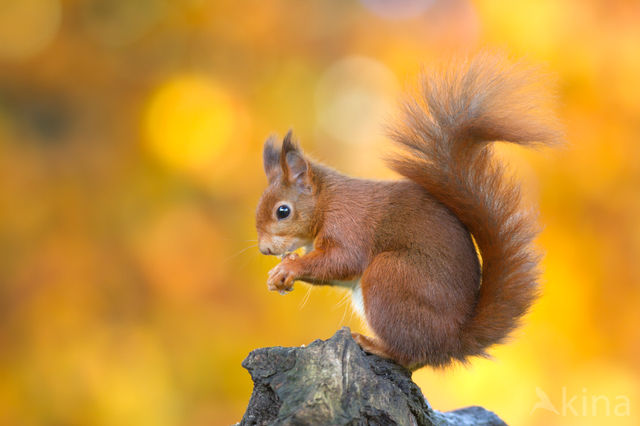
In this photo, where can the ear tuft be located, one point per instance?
(296, 168)
(289, 143)
(271, 158)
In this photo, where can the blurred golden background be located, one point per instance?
(130, 166)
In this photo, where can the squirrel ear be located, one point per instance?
(295, 167)
(271, 159)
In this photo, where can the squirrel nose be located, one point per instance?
(265, 250)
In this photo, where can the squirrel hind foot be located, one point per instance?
(371, 345)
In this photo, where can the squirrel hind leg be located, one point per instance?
(411, 309)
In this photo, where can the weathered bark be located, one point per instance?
(334, 382)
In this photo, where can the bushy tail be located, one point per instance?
(444, 134)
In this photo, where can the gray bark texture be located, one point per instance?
(334, 382)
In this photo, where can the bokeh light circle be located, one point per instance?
(27, 27)
(353, 97)
(397, 9)
(189, 122)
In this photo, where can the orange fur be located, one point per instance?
(408, 242)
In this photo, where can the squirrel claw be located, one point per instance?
(281, 277)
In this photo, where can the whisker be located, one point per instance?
(344, 314)
(343, 300)
(352, 312)
(240, 252)
(248, 260)
(306, 298)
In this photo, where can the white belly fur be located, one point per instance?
(356, 300)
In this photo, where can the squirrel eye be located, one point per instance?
(283, 212)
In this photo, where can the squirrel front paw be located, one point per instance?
(281, 277)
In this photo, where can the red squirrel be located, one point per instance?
(406, 247)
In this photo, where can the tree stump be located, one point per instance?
(334, 382)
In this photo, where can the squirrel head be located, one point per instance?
(285, 217)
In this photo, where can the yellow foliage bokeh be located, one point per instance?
(189, 123)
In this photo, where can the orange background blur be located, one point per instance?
(130, 165)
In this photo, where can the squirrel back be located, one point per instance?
(445, 134)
